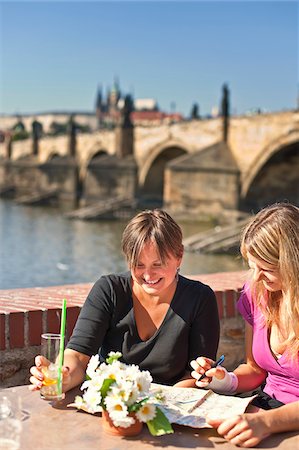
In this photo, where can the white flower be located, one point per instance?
(146, 412)
(92, 399)
(118, 412)
(133, 395)
(123, 422)
(111, 371)
(95, 383)
(115, 355)
(79, 401)
(121, 389)
(132, 372)
(92, 365)
(143, 381)
(85, 385)
(115, 407)
(125, 387)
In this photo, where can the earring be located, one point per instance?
(177, 273)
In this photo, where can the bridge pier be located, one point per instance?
(28, 176)
(62, 173)
(203, 185)
(110, 176)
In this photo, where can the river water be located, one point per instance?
(40, 247)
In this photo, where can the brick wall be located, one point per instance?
(27, 313)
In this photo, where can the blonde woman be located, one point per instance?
(269, 304)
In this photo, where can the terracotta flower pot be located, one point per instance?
(110, 428)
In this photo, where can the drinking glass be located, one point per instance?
(50, 346)
(10, 423)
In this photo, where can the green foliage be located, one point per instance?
(105, 388)
(83, 128)
(19, 126)
(58, 129)
(159, 425)
(135, 399)
(113, 356)
(20, 135)
(136, 406)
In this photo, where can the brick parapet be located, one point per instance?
(27, 313)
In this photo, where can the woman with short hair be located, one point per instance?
(155, 317)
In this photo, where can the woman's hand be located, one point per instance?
(202, 365)
(245, 430)
(37, 375)
(216, 378)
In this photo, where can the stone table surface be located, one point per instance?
(50, 426)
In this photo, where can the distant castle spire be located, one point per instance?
(99, 97)
(225, 111)
(115, 93)
(107, 106)
(99, 105)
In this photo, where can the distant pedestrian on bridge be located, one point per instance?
(270, 305)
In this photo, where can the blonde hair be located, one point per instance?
(273, 236)
(152, 226)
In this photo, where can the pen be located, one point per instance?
(217, 363)
(200, 401)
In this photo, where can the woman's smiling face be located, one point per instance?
(151, 274)
(267, 273)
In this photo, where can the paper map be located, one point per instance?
(179, 401)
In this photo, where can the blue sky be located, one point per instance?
(55, 54)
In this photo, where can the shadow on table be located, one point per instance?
(69, 398)
(278, 438)
(194, 438)
(184, 437)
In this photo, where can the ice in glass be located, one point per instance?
(50, 346)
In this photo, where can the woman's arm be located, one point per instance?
(250, 375)
(186, 381)
(248, 429)
(204, 333)
(284, 418)
(204, 326)
(73, 370)
(75, 364)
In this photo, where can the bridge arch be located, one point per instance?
(151, 175)
(53, 155)
(94, 158)
(274, 175)
(92, 155)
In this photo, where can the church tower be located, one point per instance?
(114, 97)
(99, 106)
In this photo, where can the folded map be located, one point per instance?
(192, 406)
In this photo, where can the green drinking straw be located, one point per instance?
(61, 348)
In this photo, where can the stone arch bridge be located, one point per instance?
(187, 165)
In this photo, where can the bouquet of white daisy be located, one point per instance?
(121, 390)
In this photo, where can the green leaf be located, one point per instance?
(113, 356)
(159, 425)
(136, 406)
(105, 386)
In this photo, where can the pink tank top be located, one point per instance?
(282, 382)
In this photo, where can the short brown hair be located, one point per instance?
(156, 226)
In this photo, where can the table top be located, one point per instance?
(50, 426)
